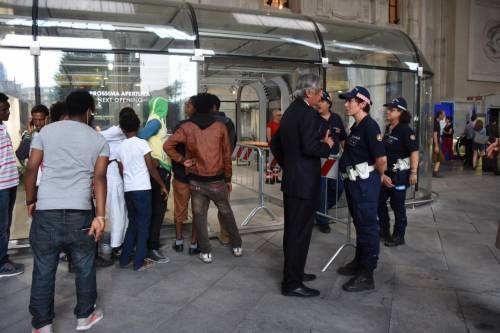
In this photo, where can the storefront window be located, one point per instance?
(118, 80)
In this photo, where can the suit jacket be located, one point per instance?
(297, 147)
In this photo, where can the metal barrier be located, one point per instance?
(250, 173)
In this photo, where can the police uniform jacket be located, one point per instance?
(399, 143)
(363, 144)
(297, 147)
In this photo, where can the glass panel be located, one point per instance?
(425, 128)
(17, 82)
(119, 80)
(246, 33)
(15, 19)
(104, 24)
(367, 45)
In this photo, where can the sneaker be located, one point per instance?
(147, 264)
(45, 329)
(103, 262)
(206, 257)
(9, 269)
(237, 251)
(194, 250)
(158, 257)
(84, 324)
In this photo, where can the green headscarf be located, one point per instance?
(158, 108)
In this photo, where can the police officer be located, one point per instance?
(362, 165)
(402, 161)
(330, 189)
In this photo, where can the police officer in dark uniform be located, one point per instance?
(362, 165)
(330, 189)
(401, 147)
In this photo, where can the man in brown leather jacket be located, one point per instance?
(208, 166)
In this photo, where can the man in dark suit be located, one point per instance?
(298, 148)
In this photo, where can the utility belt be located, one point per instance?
(361, 171)
(400, 173)
(401, 164)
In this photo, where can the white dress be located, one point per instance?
(115, 201)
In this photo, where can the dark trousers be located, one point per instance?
(201, 195)
(329, 193)
(158, 209)
(362, 198)
(397, 202)
(468, 152)
(139, 218)
(52, 230)
(7, 201)
(299, 221)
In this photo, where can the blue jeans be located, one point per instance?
(139, 218)
(7, 201)
(330, 192)
(52, 230)
(362, 199)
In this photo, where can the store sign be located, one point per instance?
(115, 96)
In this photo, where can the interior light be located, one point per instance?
(204, 52)
(302, 42)
(110, 66)
(412, 65)
(345, 61)
(57, 42)
(169, 32)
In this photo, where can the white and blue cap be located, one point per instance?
(359, 92)
(398, 103)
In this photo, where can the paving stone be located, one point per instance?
(481, 312)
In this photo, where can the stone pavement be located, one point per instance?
(446, 279)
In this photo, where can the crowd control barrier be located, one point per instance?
(250, 172)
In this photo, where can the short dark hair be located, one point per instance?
(204, 103)
(473, 117)
(40, 108)
(57, 110)
(125, 110)
(3, 98)
(215, 101)
(78, 102)
(129, 121)
(367, 106)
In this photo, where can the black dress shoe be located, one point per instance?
(301, 291)
(103, 262)
(395, 241)
(178, 247)
(362, 281)
(384, 235)
(350, 269)
(194, 250)
(324, 228)
(308, 277)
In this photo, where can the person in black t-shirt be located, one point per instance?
(330, 188)
(401, 146)
(362, 165)
(437, 155)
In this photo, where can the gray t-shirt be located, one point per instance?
(70, 150)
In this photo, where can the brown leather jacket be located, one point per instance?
(207, 142)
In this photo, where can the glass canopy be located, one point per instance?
(180, 28)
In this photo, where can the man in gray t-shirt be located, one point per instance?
(70, 150)
(74, 159)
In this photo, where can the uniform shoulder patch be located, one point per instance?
(379, 137)
(412, 137)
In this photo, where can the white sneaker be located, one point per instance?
(86, 323)
(206, 257)
(45, 329)
(237, 251)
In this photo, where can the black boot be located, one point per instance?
(350, 269)
(395, 241)
(362, 281)
(385, 235)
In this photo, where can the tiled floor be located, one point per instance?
(445, 279)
